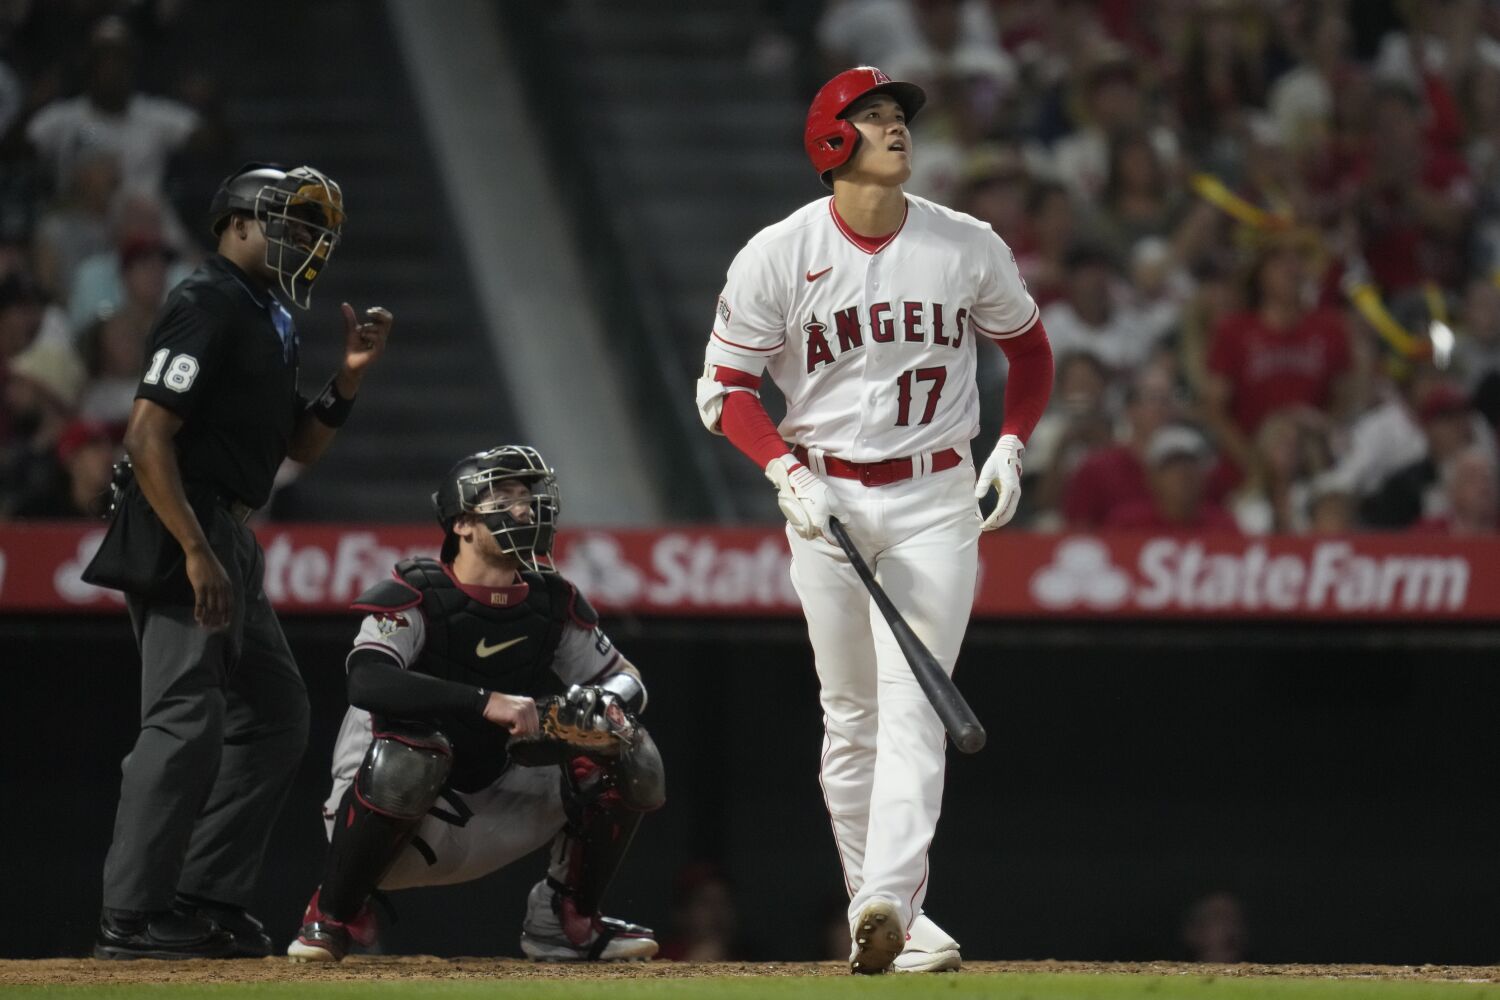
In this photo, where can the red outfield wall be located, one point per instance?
(742, 572)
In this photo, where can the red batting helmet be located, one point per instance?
(828, 138)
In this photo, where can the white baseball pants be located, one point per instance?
(883, 753)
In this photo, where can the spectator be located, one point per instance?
(1214, 930)
(1415, 492)
(79, 226)
(1476, 355)
(97, 286)
(1279, 352)
(1179, 461)
(1291, 449)
(1471, 495)
(1116, 476)
(876, 32)
(705, 923)
(1221, 75)
(85, 456)
(1388, 437)
(1042, 247)
(113, 346)
(40, 394)
(1331, 506)
(1093, 319)
(1075, 425)
(1113, 104)
(26, 317)
(143, 131)
(1138, 200)
(994, 188)
(1416, 197)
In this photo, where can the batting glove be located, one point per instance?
(1002, 470)
(802, 496)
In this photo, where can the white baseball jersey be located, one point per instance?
(874, 351)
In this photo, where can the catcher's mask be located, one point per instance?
(301, 211)
(493, 486)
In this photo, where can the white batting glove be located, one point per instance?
(1002, 470)
(802, 496)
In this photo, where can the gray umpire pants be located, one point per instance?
(223, 725)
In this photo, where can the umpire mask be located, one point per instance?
(303, 216)
(513, 492)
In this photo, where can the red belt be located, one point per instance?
(892, 470)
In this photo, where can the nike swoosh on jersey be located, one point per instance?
(482, 650)
(814, 277)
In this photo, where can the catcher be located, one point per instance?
(488, 715)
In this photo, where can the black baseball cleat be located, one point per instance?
(248, 935)
(125, 934)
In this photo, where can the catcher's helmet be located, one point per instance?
(829, 139)
(472, 487)
(301, 211)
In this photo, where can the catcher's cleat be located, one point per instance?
(878, 938)
(928, 949)
(554, 931)
(248, 937)
(324, 939)
(125, 934)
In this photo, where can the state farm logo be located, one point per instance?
(317, 575)
(1173, 574)
(1081, 573)
(683, 571)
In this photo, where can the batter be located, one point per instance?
(865, 308)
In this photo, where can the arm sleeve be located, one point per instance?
(745, 421)
(378, 684)
(1028, 387)
(1003, 308)
(750, 320)
(184, 352)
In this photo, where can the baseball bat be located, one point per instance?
(958, 718)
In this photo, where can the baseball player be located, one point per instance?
(865, 308)
(489, 715)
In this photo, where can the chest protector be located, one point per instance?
(504, 648)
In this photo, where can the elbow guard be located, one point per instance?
(628, 688)
(710, 399)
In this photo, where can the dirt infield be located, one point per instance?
(82, 972)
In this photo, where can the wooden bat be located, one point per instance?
(958, 718)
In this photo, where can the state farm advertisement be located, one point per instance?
(743, 573)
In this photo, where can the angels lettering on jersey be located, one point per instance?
(871, 342)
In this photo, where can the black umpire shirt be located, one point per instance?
(223, 357)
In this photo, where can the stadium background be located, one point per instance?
(546, 196)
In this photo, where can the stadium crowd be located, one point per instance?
(1264, 234)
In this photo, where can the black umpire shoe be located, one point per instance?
(248, 935)
(159, 934)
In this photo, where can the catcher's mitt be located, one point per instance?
(587, 721)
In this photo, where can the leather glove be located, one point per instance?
(803, 497)
(1002, 470)
(586, 721)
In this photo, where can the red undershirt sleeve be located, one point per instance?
(744, 419)
(1028, 387)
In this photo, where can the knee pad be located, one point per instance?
(404, 769)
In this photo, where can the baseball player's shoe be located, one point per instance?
(554, 931)
(248, 937)
(928, 949)
(877, 938)
(159, 934)
(324, 939)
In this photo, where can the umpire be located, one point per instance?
(223, 709)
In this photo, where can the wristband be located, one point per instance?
(330, 408)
